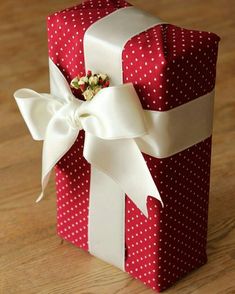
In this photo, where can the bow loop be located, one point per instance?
(37, 110)
(74, 117)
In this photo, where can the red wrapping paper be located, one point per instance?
(168, 66)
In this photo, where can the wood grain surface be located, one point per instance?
(32, 257)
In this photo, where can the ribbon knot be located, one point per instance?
(74, 118)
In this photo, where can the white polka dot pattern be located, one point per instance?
(169, 66)
(172, 241)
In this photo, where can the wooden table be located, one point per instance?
(32, 257)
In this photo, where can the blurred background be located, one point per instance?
(32, 258)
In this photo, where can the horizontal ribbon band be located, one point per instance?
(172, 131)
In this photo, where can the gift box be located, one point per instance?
(173, 71)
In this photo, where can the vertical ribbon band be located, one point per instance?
(107, 37)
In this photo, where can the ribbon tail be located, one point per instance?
(40, 197)
(45, 180)
(124, 163)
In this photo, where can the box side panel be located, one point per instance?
(170, 66)
(72, 188)
(183, 227)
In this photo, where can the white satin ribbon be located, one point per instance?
(172, 131)
(111, 120)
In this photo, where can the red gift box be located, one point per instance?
(169, 66)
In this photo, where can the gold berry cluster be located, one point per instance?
(90, 84)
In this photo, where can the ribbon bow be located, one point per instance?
(112, 122)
